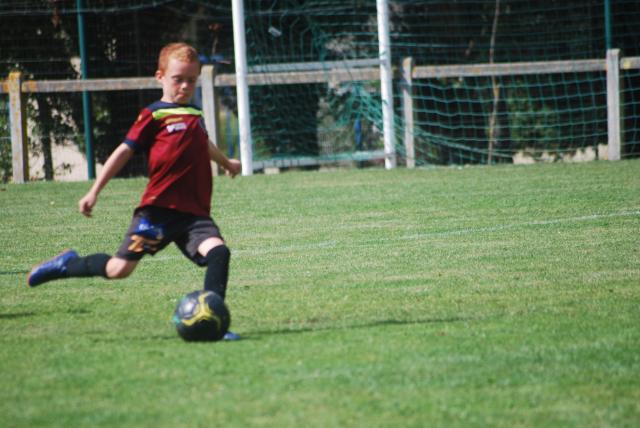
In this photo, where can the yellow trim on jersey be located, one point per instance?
(164, 112)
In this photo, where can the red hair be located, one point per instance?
(179, 51)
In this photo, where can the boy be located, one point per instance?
(176, 203)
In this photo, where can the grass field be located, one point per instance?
(471, 297)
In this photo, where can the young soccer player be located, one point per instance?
(176, 204)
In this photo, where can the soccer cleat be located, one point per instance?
(231, 336)
(51, 269)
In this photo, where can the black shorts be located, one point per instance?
(153, 228)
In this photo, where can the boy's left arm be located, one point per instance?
(232, 167)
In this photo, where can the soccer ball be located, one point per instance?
(201, 316)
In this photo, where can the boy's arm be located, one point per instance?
(112, 166)
(233, 167)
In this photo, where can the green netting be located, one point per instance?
(460, 32)
(549, 117)
(537, 116)
(630, 100)
(46, 7)
(317, 119)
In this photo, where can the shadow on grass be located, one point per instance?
(258, 334)
(251, 335)
(17, 315)
(99, 337)
(72, 311)
(380, 323)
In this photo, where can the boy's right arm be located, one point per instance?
(112, 166)
(232, 167)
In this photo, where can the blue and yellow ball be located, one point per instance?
(201, 316)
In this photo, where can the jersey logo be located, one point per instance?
(147, 236)
(140, 244)
(175, 127)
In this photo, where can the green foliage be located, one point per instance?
(533, 122)
(504, 296)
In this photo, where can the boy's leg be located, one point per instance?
(204, 245)
(101, 265)
(70, 265)
(143, 237)
(217, 257)
(92, 265)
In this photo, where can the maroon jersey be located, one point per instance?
(179, 167)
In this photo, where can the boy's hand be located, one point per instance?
(233, 168)
(86, 204)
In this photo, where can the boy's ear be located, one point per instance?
(159, 75)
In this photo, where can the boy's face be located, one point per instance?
(178, 81)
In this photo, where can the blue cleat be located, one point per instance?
(231, 336)
(51, 269)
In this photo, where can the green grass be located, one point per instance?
(503, 296)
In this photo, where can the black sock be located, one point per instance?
(217, 270)
(93, 265)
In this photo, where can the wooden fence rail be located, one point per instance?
(359, 70)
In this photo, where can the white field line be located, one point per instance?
(417, 236)
(501, 227)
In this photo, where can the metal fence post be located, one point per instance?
(18, 121)
(87, 113)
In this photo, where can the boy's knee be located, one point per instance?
(120, 268)
(118, 274)
(220, 253)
